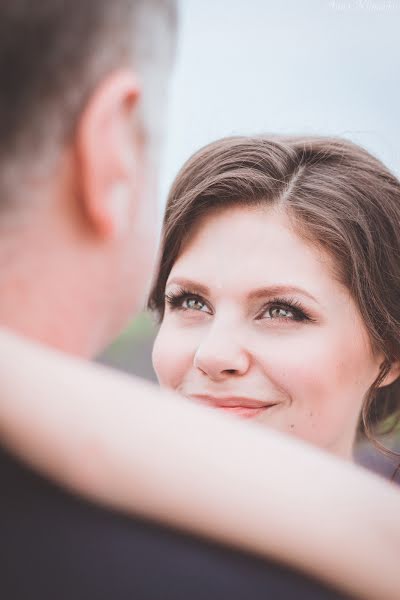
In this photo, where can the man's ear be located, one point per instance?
(105, 154)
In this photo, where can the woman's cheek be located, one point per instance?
(301, 375)
(298, 365)
(325, 404)
(172, 356)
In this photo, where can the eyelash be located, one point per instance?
(176, 298)
(290, 304)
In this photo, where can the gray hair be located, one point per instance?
(52, 55)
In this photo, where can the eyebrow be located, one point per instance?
(259, 293)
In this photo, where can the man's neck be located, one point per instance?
(47, 297)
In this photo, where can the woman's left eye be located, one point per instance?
(282, 311)
(276, 312)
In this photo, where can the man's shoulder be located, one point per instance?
(56, 545)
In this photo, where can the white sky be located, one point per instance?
(293, 66)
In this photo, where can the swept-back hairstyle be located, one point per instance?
(338, 197)
(54, 52)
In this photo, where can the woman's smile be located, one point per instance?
(245, 407)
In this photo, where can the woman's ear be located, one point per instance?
(106, 154)
(392, 374)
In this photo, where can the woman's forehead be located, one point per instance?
(250, 248)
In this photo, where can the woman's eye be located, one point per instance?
(284, 312)
(193, 303)
(182, 300)
(276, 312)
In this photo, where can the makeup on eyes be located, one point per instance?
(288, 305)
(176, 298)
(279, 308)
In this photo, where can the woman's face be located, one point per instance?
(257, 325)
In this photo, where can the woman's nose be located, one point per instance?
(220, 356)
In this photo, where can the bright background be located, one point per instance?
(285, 66)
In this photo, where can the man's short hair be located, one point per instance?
(52, 54)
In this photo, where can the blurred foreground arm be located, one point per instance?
(122, 442)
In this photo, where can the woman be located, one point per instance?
(193, 468)
(279, 284)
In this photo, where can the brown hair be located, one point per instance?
(341, 198)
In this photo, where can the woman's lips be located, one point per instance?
(244, 407)
(242, 411)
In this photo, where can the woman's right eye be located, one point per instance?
(187, 302)
(194, 303)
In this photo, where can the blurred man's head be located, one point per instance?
(83, 88)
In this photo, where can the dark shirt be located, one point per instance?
(55, 546)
